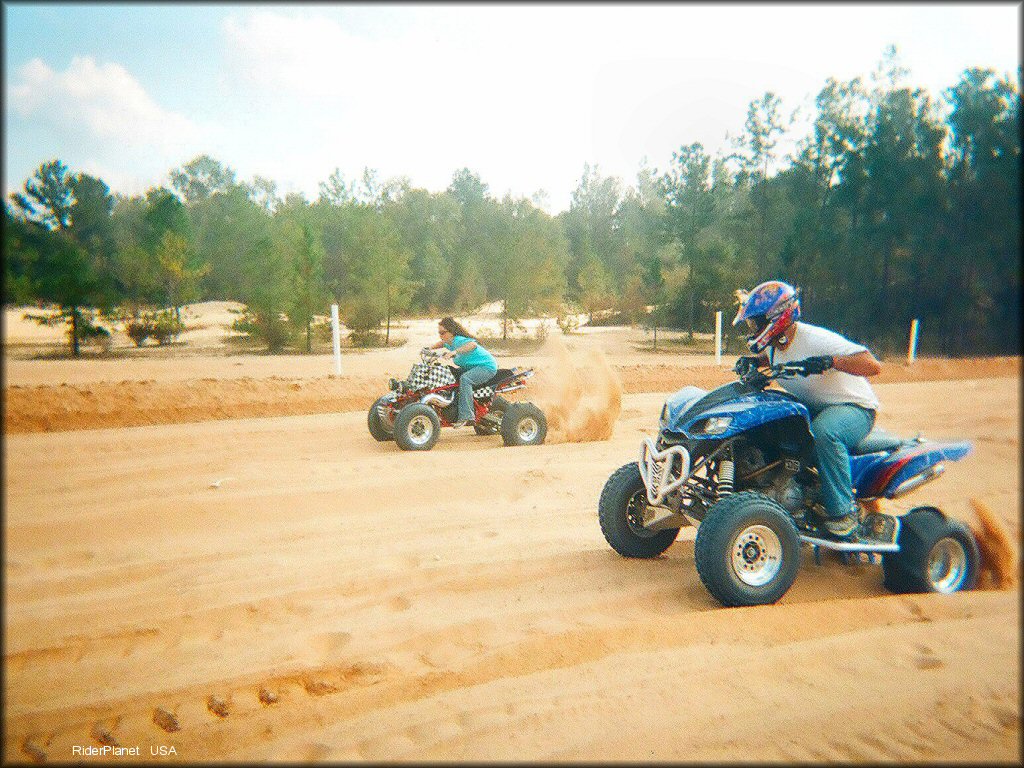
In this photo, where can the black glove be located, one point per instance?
(812, 365)
(745, 365)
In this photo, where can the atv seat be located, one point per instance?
(498, 378)
(877, 440)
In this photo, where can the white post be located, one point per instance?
(336, 332)
(912, 349)
(718, 337)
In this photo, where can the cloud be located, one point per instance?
(307, 55)
(424, 100)
(526, 95)
(99, 119)
(103, 101)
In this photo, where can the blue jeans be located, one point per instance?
(471, 377)
(836, 430)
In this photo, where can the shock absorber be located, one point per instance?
(726, 475)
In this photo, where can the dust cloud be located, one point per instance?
(998, 568)
(579, 392)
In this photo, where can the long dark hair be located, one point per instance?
(451, 325)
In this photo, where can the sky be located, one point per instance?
(523, 95)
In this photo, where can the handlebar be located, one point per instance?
(761, 378)
(431, 355)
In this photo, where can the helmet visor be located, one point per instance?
(757, 324)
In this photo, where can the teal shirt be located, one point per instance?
(478, 356)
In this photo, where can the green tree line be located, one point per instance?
(893, 206)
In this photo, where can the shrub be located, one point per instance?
(91, 333)
(569, 323)
(138, 330)
(367, 338)
(323, 331)
(163, 326)
(166, 327)
(272, 331)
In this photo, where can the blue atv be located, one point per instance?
(738, 462)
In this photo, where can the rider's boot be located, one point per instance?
(846, 526)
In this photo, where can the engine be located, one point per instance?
(781, 478)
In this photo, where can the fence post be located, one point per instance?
(912, 347)
(336, 333)
(718, 337)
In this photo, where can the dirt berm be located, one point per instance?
(98, 405)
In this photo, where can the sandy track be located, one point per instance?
(335, 599)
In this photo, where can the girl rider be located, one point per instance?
(477, 364)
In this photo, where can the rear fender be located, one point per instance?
(897, 473)
(516, 382)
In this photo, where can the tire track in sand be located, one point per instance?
(359, 688)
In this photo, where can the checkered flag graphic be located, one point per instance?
(426, 376)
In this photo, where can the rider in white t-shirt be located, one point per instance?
(841, 402)
(833, 386)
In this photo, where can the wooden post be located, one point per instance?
(336, 333)
(718, 337)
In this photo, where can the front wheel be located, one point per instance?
(936, 554)
(381, 430)
(523, 424)
(621, 514)
(417, 427)
(747, 550)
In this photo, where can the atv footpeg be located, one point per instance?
(877, 535)
(881, 528)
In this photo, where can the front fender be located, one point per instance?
(746, 413)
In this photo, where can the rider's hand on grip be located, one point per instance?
(745, 364)
(812, 365)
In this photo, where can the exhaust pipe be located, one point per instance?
(916, 481)
(433, 397)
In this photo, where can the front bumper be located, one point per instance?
(662, 471)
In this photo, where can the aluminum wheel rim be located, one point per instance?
(756, 555)
(947, 565)
(635, 508)
(420, 429)
(527, 428)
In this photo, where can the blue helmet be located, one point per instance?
(768, 309)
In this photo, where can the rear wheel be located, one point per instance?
(621, 514)
(936, 554)
(381, 430)
(747, 550)
(417, 427)
(523, 424)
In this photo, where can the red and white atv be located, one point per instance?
(414, 411)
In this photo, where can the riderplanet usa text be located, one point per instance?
(106, 750)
